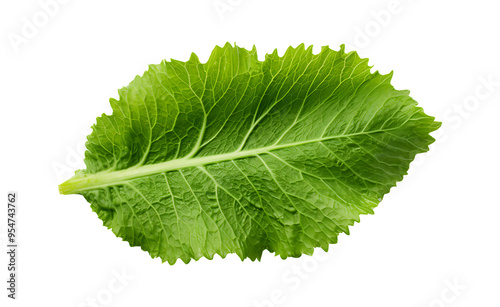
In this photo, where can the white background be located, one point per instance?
(438, 227)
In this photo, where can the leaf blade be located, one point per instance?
(239, 156)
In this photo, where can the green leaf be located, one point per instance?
(238, 155)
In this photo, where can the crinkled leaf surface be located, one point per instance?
(238, 155)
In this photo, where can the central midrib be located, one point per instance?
(80, 183)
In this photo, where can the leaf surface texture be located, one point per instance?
(238, 155)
